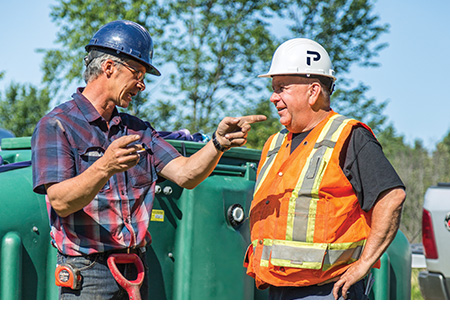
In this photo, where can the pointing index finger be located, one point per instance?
(252, 118)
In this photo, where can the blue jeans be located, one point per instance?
(97, 281)
(324, 292)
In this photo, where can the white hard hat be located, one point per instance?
(301, 56)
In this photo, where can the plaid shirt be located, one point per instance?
(65, 143)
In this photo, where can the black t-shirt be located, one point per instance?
(364, 164)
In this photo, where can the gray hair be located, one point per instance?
(94, 61)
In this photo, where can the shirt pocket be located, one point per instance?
(87, 157)
(142, 175)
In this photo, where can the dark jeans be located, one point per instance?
(324, 292)
(97, 281)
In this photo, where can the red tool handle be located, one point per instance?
(131, 286)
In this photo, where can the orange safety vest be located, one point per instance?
(305, 220)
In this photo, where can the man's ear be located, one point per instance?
(108, 67)
(315, 89)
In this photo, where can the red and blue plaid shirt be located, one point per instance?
(65, 143)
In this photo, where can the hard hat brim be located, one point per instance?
(271, 75)
(152, 70)
(148, 67)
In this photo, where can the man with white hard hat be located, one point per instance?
(327, 202)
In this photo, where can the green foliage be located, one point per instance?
(419, 169)
(211, 48)
(415, 288)
(262, 130)
(216, 47)
(353, 103)
(212, 51)
(22, 107)
(349, 31)
(441, 161)
(392, 142)
(78, 21)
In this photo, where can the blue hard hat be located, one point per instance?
(128, 38)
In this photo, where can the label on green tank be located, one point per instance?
(157, 215)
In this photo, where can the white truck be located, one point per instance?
(435, 281)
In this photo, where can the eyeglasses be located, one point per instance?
(137, 73)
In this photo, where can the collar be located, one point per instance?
(88, 110)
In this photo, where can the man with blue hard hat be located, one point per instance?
(98, 167)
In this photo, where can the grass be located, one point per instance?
(415, 290)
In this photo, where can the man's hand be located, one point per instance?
(74, 194)
(385, 221)
(232, 132)
(121, 155)
(351, 276)
(188, 172)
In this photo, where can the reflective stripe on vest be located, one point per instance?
(307, 255)
(298, 249)
(300, 227)
(277, 141)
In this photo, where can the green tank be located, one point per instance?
(199, 236)
(393, 279)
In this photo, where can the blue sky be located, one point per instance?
(413, 75)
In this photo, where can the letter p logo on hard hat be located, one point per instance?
(315, 54)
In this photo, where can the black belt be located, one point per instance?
(136, 250)
(128, 250)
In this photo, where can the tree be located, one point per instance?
(78, 21)
(209, 47)
(419, 169)
(22, 107)
(223, 45)
(440, 161)
(349, 31)
(212, 51)
(413, 164)
(262, 130)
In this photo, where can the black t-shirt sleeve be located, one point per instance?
(367, 168)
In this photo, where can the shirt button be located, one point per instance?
(260, 242)
(280, 173)
(267, 201)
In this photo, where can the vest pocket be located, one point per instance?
(343, 253)
(296, 254)
(304, 255)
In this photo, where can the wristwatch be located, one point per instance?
(217, 144)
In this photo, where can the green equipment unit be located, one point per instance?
(393, 279)
(24, 230)
(199, 236)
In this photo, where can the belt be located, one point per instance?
(135, 250)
